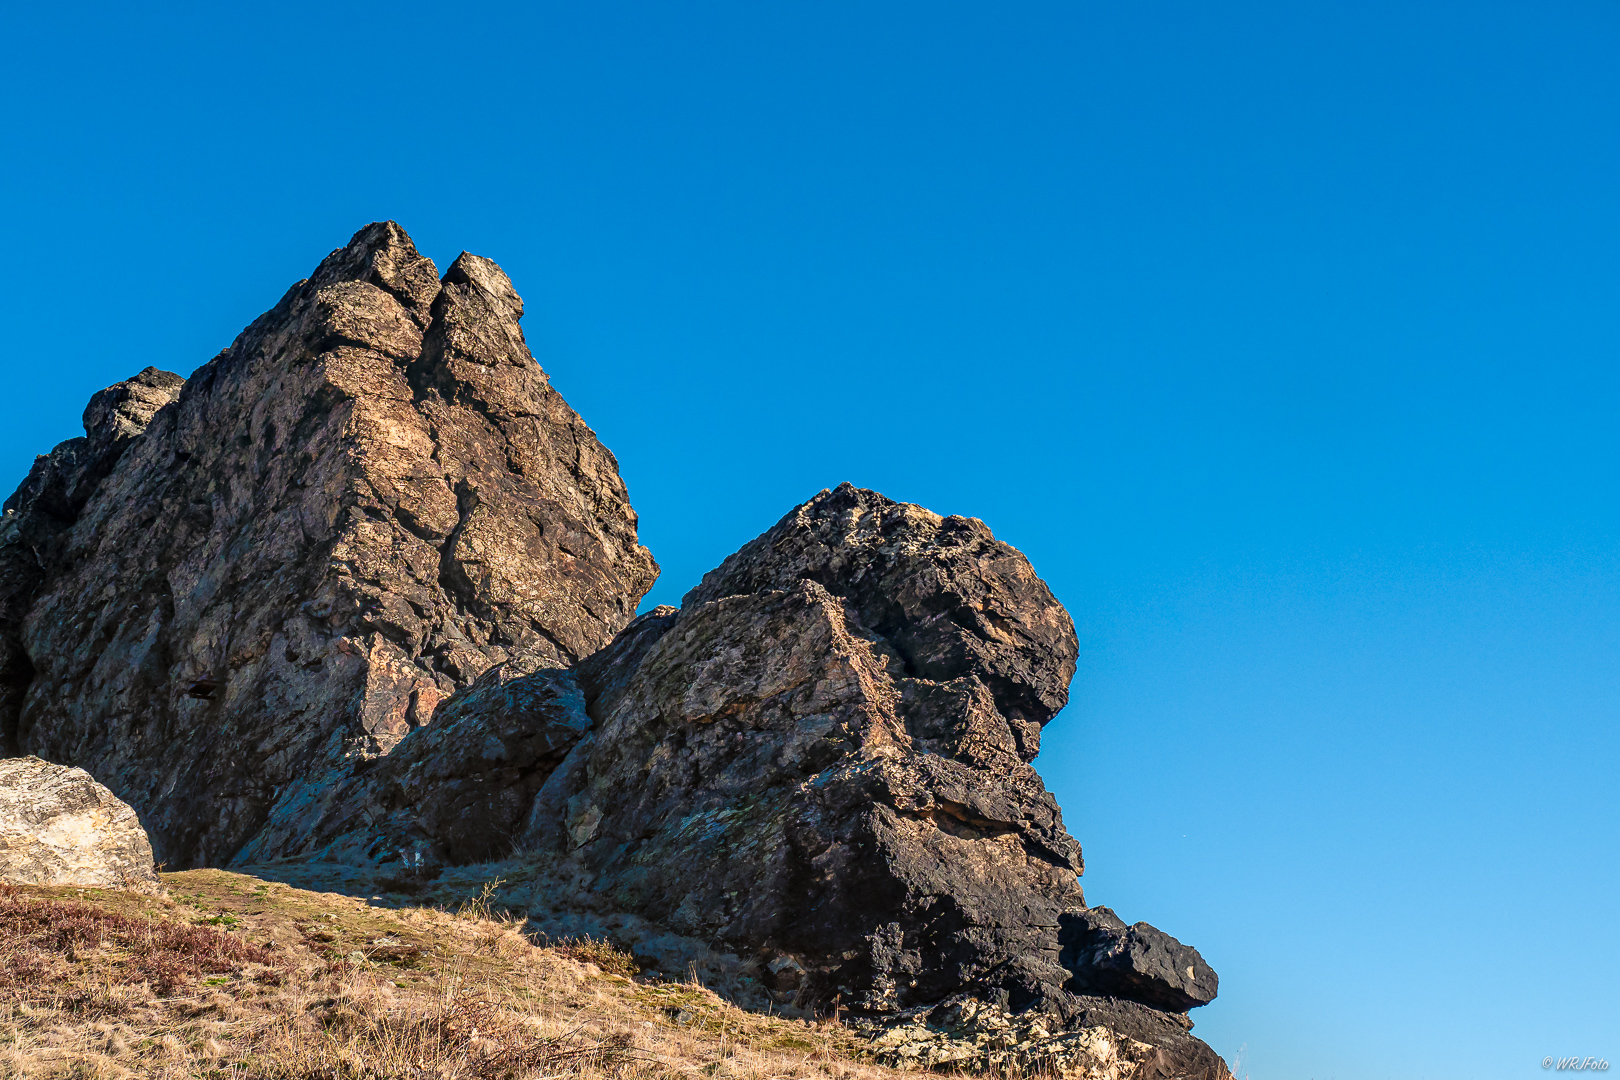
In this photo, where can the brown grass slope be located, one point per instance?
(236, 978)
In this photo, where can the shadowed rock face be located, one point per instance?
(48, 503)
(231, 587)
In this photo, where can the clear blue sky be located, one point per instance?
(1282, 337)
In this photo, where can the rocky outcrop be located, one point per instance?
(361, 590)
(232, 590)
(60, 827)
(821, 761)
(824, 755)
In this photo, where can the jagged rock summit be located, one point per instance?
(59, 827)
(235, 583)
(361, 592)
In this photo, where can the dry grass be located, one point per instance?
(604, 954)
(238, 979)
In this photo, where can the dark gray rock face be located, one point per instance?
(48, 503)
(756, 785)
(1137, 962)
(231, 591)
(820, 761)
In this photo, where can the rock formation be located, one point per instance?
(60, 827)
(821, 761)
(361, 591)
(231, 587)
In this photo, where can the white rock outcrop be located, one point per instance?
(59, 827)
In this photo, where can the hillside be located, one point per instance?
(233, 976)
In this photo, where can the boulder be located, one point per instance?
(1139, 962)
(235, 587)
(59, 827)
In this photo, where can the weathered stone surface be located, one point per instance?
(1138, 962)
(946, 596)
(824, 756)
(456, 792)
(848, 802)
(230, 591)
(60, 827)
(758, 784)
(47, 504)
(767, 771)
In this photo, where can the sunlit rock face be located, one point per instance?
(236, 583)
(60, 827)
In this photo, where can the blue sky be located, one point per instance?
(1281, 337)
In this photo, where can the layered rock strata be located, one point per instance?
(59, 827)
(236, 584)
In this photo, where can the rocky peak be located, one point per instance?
(123, 410)
(381, 255)
(62, 481)
(367, 500)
